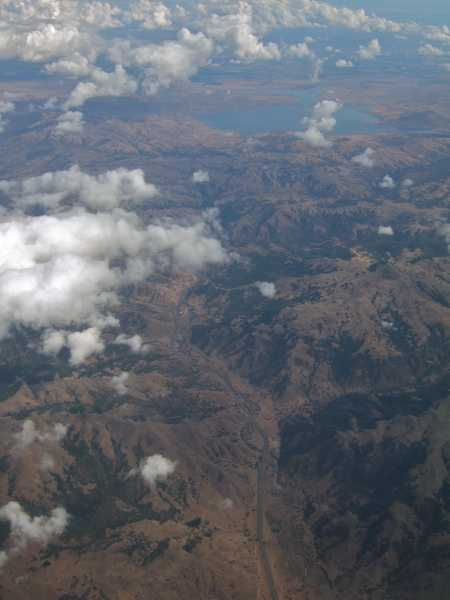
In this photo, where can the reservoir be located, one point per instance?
(351, 119)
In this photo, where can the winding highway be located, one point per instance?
(262, 460)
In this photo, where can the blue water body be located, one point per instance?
(351, 119)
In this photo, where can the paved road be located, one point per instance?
(262, 460)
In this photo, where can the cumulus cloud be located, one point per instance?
(46, 42)
(298, 50)
(227, 504)
(387, 182)
(70, 122)
(154, 468)
(370, 51)
(322, 112)
(25, 529)
(64, 271)
(99, 192)
(162, 65)
(116, 83)
(266, 288)
(317, 66)
(5, 107)
(314, 137)
(235, 31)
(134, 342)
(440, 34)
(364, 159)
(151, 15)
(271, 14)
(76, 65)
(56, 270)
(88, 12)
(385, 230)
(388, 325)
(321, 120)
(429, 50)
(47, 462)
(200, 176)
(51, 103)
(83, 344)
(65, 35)
(344, 63)
(118, 382)
(53, 341)
(407, 182)
(29, 434)
(444, 229)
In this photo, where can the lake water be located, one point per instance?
(351, 119)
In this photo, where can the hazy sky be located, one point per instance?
(433, 12)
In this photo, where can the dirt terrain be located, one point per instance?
(346, 368)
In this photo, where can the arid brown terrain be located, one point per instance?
(346, 368)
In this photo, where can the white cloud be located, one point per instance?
(83, 344)
(370, 51)
(387, 182)
(266, 288)
(71, 122)
(30, 435)
(440, 34)
(47, 462)
(200, 176)
(154, 468)
(118, 382)
(235, 31)
(152, 15)
(322, 112)
(53, 341)
(65, 35)
(44, 43)
(51, 103)
(314, 137)
(55, 270)
(134, 342)
(385, 230)
(272, 14)
(64, 271)
(344, 63)
(99, 192)
(317, 65)
(89, 13)
(364, 159)
(429, 50)
(227, 504)
(5, 107)
(407, 182)
(389, 326)
(298, 51)
(321, 120)
(170, 62)
(116, 83)
(25, 529)
(444, 229)
(76, 65)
